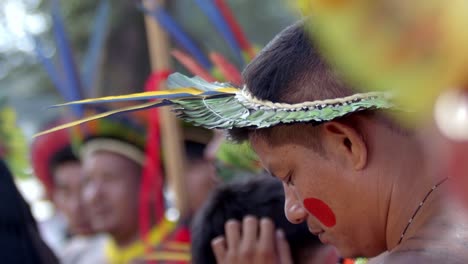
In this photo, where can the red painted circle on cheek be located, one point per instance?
(321, 211)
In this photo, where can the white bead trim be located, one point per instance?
(250, 101)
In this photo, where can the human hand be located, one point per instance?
(255, 242)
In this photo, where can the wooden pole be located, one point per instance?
(171, 133)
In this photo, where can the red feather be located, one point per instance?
(43, 150)
(192, 65)
(230, 72)
(152, 178)
(235, 28)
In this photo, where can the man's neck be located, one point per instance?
(407, 196)
(124, 239)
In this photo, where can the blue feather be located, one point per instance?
(218, 21)
(65, 54)
(177, 33)
(91, 61)
(49, 67)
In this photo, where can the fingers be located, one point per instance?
(219, 249)
(233, 236)
(284, 251)
(266, 252)
(249, 236)
(252, 241)
(267, 235)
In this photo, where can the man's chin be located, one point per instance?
(347, 252)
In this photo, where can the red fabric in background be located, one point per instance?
(152, 178)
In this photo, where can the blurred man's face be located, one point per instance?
(68, 180)
(111, 193)
(201, 179)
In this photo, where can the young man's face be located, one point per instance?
(336, 203)
(68, 180)
(111, 192)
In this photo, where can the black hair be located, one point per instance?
(261, 197)
(194, 151)
(65, 155)
(291, 69)
(20, 241)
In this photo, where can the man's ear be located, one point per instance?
(345, 144)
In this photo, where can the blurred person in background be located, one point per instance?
(59, 169)
(252, 210)
(200, 178)
(113, 157)
(20, 241)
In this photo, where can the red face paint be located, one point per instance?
(321, 211)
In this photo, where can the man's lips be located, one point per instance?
(316, 232)
(322, 239)
(320, 234)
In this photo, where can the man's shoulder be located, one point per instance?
(445, 241)
(412, 258)
(431, 253)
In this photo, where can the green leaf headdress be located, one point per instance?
(221, 106)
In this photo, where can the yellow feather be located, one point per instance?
(94, 117)
(144, 95)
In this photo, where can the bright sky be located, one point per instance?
(17, 21)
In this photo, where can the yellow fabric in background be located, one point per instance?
(117, 255)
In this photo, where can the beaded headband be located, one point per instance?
(221, 106)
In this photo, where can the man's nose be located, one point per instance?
(293, 209)
(91, 192)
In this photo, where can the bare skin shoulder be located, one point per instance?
(443, 240)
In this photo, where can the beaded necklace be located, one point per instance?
(419, 207)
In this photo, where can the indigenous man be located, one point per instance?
(113, 159)
(113, 156)
(200, 179)
(59, 170)
(359, 180)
